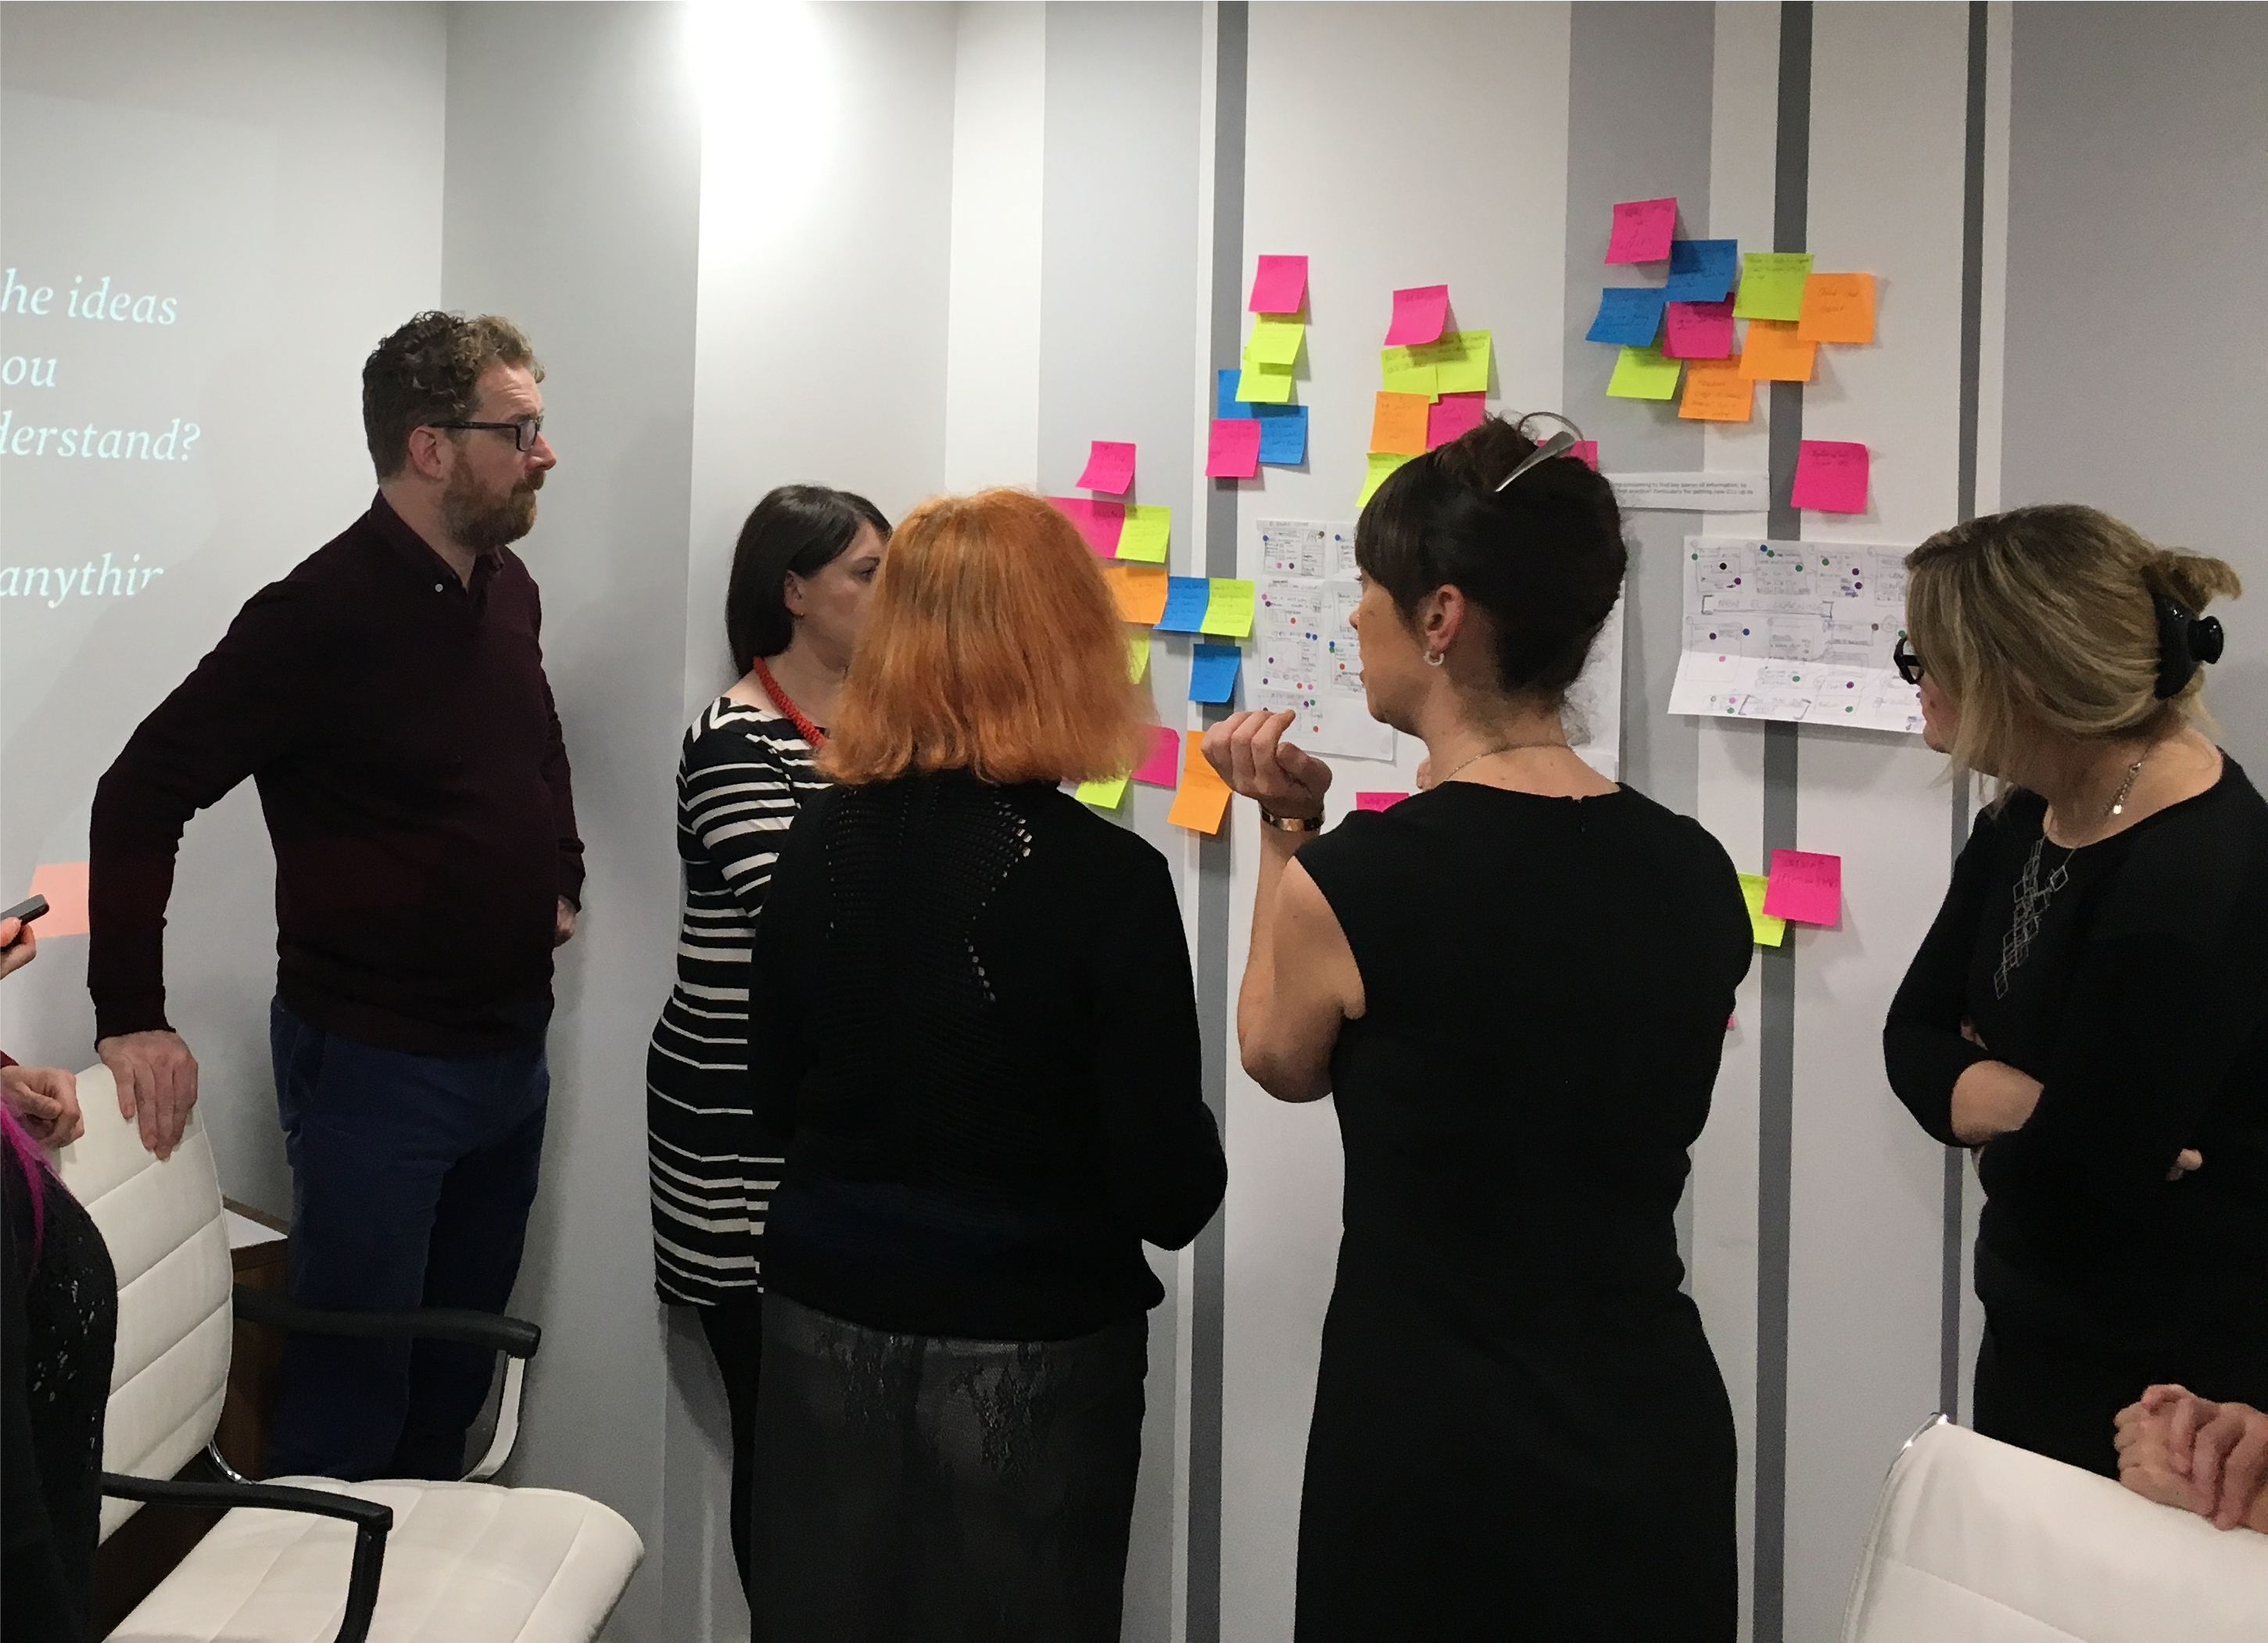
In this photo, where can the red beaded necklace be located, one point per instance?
(810, 732)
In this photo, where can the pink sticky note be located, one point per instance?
(1109, 467)
(1099, 522)
(1419, 314)
(1234, 450)
(1698, 330)
(64, 885)
(1279, 286)
(1453, 415)
(1804, 888)
(1586, 451)
(1830, 475)
(1161, 766)
(1642, 231)
(1378, 800)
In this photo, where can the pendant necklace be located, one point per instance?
(2032, 896)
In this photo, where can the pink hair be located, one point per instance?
(25, 1153)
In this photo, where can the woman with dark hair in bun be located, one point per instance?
(1515, 984)
(2090, 1009)
(802, 570)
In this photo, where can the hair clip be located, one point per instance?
(1558, 444)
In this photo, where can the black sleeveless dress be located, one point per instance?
(1520, 1431)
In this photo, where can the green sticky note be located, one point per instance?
(1772, 285)
(1265, 385)
(1143, 535)
(1461, 362)
(1137, 656)
(1382, 463)
(1102, 795)
(1275, 341)
(1406, 370)
(1229, 608)
(1769, 931)
(1642, 373)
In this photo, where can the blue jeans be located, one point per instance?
(411, 1179)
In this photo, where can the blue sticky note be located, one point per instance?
(1212, 671)
(1224, 396)
(1282, 439)
(1702, 270)
(1186, 598)
(1629, 316)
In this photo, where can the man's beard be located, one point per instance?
(485, 523)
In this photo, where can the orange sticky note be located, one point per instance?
(1398, 424)
(1202, 799)
(1772, 353)
(1837, 308)
(1140, 590)
(64, 885)
(1716, 392)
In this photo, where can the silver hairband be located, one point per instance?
(1558, 444)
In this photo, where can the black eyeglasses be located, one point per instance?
(1903, 659)
(523, 431)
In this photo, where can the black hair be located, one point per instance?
(1544, 558)
(798, 529)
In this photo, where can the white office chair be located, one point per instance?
(304, 1560)
(1980, 1542)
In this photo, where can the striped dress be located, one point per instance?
(744, 773)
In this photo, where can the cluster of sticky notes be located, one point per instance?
(1803, 887)
(1432, 384)
(1253, 419)
(1114, 529)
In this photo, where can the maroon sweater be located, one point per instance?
(410, 766)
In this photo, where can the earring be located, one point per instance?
(1434, 658)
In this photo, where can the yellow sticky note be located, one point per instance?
(1715, 392)
(1772, 285)
(1773, 354)
(1265, 385)
(1404, 370)
(1102, 795)
(1143, 536)
(1137, 657)
(1275, 339)
(1397, 423)
(1202, 799)
(1837, 308)
(1461, 362)
(1140, 590)
(1642, 373)
(1769, 931)
(1229, 608)
(1382, 463)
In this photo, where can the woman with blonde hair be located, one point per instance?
(982, 1047)
(2090, 1009)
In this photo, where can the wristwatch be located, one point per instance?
(1291, 823)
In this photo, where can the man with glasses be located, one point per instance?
(388, 698)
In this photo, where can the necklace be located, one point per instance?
(1491, 752)
(810, 732)
(2032, 896)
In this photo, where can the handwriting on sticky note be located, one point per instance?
(1275, 341)
(1229, 608)
(1406, 370)
(1461, 362)
(1770, 353)
(1140, 590)
(1233, 450)
(1283, 434)
(1830, 475)
(1279, 285)
(1805, 887)
(1767, 930)
(1698, 330)
(1383, 463)
(1148, 529)
(1378, 800)
(1420, 311)
(1628, 317)
(1642, 373)
(1452, 416)
(1109, 467)
(1715, 392)
(1265, 385)
(1103, 794)
(1642, 231)
(1161, 766)
(1137, 646)
(1202, 797)
(1099, 522)
(1212, 671)
(64, 885)
(1702, 270)
(1186, 598)
(1772, 285)
(1397, 424)
(1837, 308)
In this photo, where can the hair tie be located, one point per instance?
(2185, 641)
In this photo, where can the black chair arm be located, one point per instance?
(373, 1520)
(515, 1337)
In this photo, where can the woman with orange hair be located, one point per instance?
(986, 1110)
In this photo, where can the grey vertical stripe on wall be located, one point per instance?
(1210, 1257)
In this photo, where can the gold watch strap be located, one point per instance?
(1291, 823)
